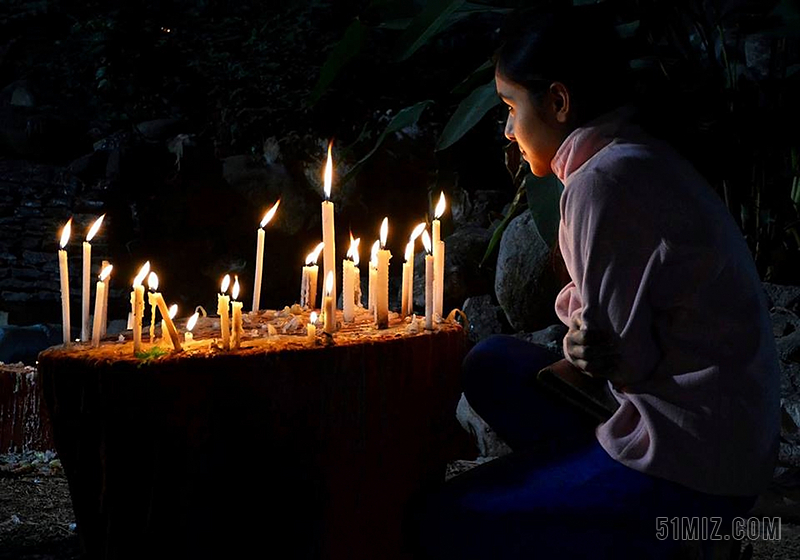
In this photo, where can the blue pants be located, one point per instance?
(559, 495)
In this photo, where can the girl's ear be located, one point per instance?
(561, 101)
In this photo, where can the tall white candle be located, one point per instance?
(64, 277)
(438, 258)
(373, 274)
(349, 281)
(223, 310)
(404, 312)
(328, 230)
(152, 283)
(308, 283)
(329, 306)
(426, 241)
(86, 285)
(99, 298)
(137, 306)
(173, 312)
(237, 330)
(382, 281)
(413, 239)
(260, 255)
(104, 323)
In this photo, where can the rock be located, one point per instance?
(261, 185)
(784, 322)
(485, 317)
(787, 297)
(479, 209)
(23, 344)
(159, 129)
(550, 338)
(487, 441)
(524, 274)
(18, 93)
(464, 277)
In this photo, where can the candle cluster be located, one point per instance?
(229, 308)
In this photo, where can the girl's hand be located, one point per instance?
(592, 351)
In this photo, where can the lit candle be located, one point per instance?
(373, 274)
(329, 306)
(260, 255)
(171, 330)
(382, 280)
(173, 312)
(223, 309)
(438, 259)
(348, 279)
(104, 324)
(237, 330)
(99, 298)
(152, 283)
(413, 239)
(308, 284)
(64, 276)
(189, 337)
(87, 266)
(328, 232)
(311, 328)
(357, 274)
(406, 279)
(429, 274)
(137, 306)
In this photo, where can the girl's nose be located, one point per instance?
(509, 131)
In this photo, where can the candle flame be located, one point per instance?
(384, 231)
(235, 291)
(417, 232)
(353, 250)
(142, 274)
(270, 213)
(426, 241)
(106, 272)
(313, 318)
(95, 228)
(152, 281)
(409, 251)
(437, 213)
(356, 258)
(329, 283)
(192, 321)
(173, 310)
(373, 255)
(225, 283)
(313, 256)
(328, 172)
(65, 233)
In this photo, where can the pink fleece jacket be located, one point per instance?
(657, 261)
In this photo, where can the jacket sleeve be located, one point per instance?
(613, 253)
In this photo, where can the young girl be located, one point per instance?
(664, 302)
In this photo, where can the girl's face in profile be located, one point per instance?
(535, 127)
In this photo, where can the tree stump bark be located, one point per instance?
(284, 451)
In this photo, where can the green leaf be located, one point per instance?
(345, 50)
(433, 15)
(405, 118)
(627, 30)
(516, 205)
(544, 196)
(469, 112)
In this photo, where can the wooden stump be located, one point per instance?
(279, 450)
(24, 423)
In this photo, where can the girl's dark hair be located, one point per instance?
(578, 47)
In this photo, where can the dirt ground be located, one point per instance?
(37, 521)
